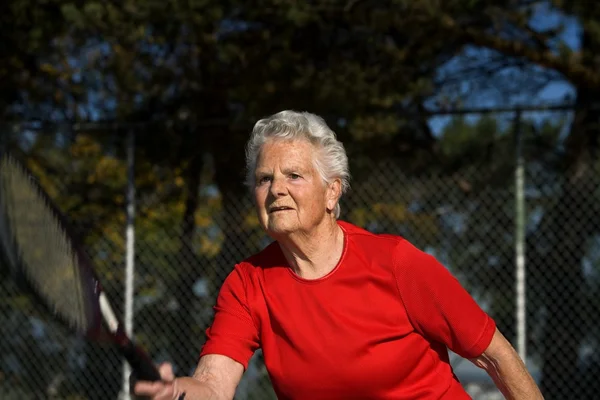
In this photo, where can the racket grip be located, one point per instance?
(142, 366)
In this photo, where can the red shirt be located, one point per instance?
(377, 327)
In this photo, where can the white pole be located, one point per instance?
(130, 252)
(520, 243)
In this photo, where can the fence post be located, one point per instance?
(129, 251)
(520, 227)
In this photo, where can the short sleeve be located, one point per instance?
(233, 332)
(438, 305)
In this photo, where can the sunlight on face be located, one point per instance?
(290, 194)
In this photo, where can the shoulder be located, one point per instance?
(361, 237)
(400, 254)
(395, 246)
(269, 257)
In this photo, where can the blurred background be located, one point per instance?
(471, 128)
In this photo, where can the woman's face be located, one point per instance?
(290, 194)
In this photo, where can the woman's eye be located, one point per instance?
(294, 176)
(263, 179)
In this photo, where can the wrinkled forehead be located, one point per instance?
(287, 153)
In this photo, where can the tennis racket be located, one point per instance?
(43, 253)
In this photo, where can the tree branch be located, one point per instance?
(520, 21)
(570, 67)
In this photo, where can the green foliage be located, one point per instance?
(201, 72)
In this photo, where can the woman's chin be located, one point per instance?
(280, 228)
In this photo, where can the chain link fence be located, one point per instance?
(185, 248)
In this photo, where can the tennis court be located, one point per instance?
(467, 220)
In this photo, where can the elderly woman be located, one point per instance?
(339, 312)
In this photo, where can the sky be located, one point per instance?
(555, 92)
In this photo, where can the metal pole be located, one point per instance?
(130, 252)
(520, 241)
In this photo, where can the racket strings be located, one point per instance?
(41, 246)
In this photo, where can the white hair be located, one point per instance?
(331, 162)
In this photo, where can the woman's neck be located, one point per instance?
(314, 256)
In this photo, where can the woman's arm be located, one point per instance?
(505, 367)
(216, 378)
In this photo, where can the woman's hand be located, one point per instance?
(216, 378)
(165, 389)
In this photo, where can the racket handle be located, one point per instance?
(142, 366)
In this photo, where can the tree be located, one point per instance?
(205, 74)
(374, 69)
(572, 222)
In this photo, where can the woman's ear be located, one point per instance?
(334, 192)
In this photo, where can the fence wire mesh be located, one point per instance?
(185, 245)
